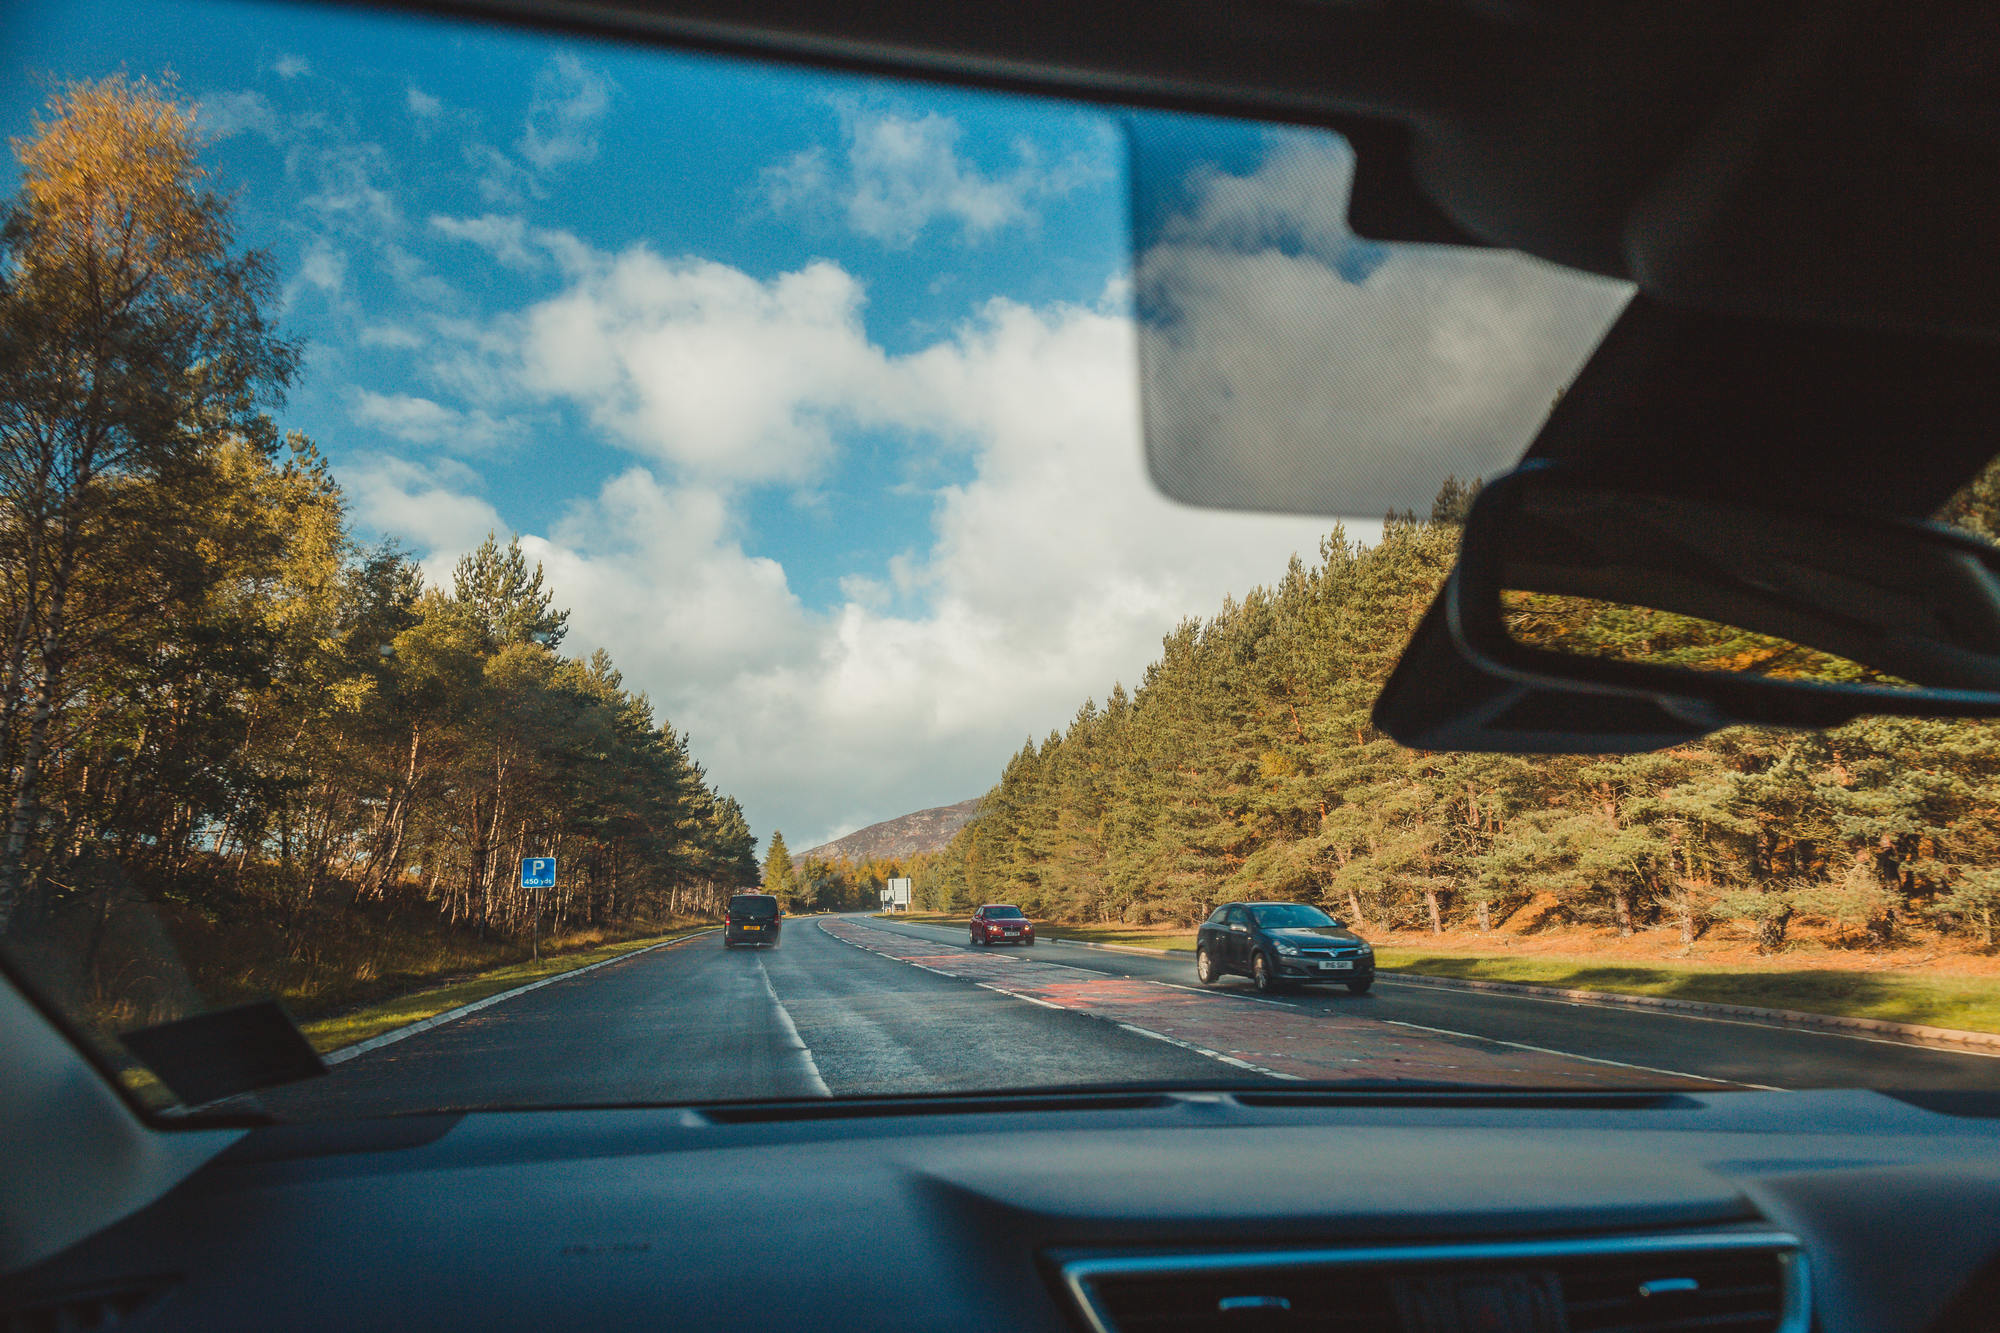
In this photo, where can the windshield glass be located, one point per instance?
(554, 496)
(1290, 914)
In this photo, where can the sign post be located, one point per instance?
(537, 872)
(899, 895)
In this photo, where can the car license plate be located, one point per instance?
(1010, 933)
(1338, 965)
(753, 927)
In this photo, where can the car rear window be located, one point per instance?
(754, 905)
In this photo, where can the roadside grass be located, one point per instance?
(1967, 1003)
(335, 1031)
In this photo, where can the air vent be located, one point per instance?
(1719, 1282)
(80, 1311)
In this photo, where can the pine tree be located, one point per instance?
(779, 879)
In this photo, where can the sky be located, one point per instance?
(818, 398)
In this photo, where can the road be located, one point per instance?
(862, 1006)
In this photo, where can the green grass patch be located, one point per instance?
(1179, 941)
(1966, 1003)
(338, 1030)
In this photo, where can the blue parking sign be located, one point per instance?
(538, 872)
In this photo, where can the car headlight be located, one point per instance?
(1286, 949)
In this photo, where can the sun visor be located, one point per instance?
(1289, 365)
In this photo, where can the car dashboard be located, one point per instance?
(1132, 1211)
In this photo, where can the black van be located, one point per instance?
(752, 918)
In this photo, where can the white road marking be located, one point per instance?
(1767, 1026)
(1572, 1055)
(394, 1035)
(791, 1031)
(1085, 1013)
(1213, 1055)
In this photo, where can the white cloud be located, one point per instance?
(323, 267)
(500, 179)
(290, 66)
(569, 99)
(1050, 573)
(226, 115)
(511, 241)
(899, 174)
(347, 175)
(426, 422)
(704, 365)
(421, 104)
(424, 504)
(505, 238)
(399, 336)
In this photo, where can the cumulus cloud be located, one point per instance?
(1050, 571)
(290, 66)
(1290, 366)
(421, 104)
(701, 364)
(423, 421)
(896, 175)
(568, 101)
(428, 505)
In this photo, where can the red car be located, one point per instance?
(1000, 923)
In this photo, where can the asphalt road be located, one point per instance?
(861, 1006)
(1708, 1048)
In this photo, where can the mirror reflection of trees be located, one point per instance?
(214, 702)
(1621, 632)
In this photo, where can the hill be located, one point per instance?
(905, 835)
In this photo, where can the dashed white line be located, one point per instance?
(791, 1031)
(1572, 1055)
(1085, 1013)
(1213, 1055)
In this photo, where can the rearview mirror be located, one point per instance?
(1723, 612)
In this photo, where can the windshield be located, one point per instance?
(554, 497)
(1291, 914)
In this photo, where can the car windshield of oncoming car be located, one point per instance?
(1291, 915)
(573, 494)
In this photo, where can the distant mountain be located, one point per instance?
(905, 835)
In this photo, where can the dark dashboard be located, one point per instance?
(989, 1212)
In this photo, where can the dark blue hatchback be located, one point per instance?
(1280, 945)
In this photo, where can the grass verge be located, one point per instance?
(1968, 1003)
(337, 1030)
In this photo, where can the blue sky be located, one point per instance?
(816, 396)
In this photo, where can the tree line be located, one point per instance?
(815, 883)
(1244, 766)
(211, 692)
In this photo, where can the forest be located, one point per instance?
(216, 703)
(1243, 766)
